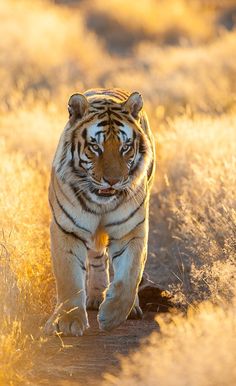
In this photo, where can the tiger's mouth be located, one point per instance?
(106, 192)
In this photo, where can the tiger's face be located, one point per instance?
(110, 150)
(110, 154)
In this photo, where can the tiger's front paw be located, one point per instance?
(113, 311)
(69, 322)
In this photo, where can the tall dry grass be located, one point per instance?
(182, 58)
(197, 163)
(195, 350)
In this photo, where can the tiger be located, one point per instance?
(99, 193)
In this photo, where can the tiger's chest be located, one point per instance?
(118, 223)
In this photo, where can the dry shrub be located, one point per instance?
(167, 23)
(24, 224)
(25, 269)
(16, 354)
(195, 351)
(45, 48)
(197, 159)
(56, 53)
(34, 130)
(195, 78)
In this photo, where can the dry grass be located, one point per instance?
(183, 60)
(197, 160)
(197, 350)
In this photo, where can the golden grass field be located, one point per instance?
(181, 55)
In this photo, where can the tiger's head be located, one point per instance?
(109, 151)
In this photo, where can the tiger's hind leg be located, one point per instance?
(136, 312)
(98, 278)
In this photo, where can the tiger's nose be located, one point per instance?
(111, 180)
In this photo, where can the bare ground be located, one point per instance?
(83, 360)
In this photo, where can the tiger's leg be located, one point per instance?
(69, 258)
(98, 278)
(136, 312)
(128, 258)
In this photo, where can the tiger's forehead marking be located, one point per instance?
(98, 133)
(110, 121)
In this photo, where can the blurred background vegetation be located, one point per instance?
(177, 53)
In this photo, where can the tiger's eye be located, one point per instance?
(95, 147)
(125, 147)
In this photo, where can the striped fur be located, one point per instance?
(99, 199)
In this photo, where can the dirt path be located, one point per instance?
(83, 360)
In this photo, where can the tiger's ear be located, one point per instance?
(77, 106)
(134, 103)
